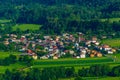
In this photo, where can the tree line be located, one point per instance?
(41, 11)
(58, 16)
(54, 73)
(12, 59)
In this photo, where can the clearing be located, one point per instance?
(24, 27)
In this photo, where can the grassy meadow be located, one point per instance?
(6, 54)
(112, 42)
(24, 27)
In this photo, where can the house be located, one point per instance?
(35, 56)
(71, 51)
(104, 37)
(23, 49)
(82, 55)
(46, 37)
(55, 56)
(113, 50)
(44, 57)
(16, 40)
(99, 54)
(50, 49)
(110, 52)
(88, 42)
(94, 39)
(83, 51)
(30, 52)
(106, 47)
(97, 43)
(92, 55)
(77, 57)
(6, 42)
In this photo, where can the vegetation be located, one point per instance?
(72, 62)
(58, 16)
(58, 73)
(7, 54)
(92, 17)
(5, 21)
(111, 20)
(112, 42)
(24, 27)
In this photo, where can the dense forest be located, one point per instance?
(59, 16)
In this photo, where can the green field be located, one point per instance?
(112, 42)
(24, 27)
(68, 62)
(72, 62)
(95, 78)
(6, 54)
(11, 67)
(4, 21)
(111, 19)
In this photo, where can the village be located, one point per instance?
(62, 46)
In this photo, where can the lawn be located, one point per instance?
(112, 42)
(24, 27)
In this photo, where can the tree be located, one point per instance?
(7, 75)
(116, 71)
(69, 72)
(78, 78)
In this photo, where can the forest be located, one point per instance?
(58, 16)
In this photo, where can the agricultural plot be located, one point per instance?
(72, 62)
(6, 54)
(24, 27)
(112, 42)
(11, 67)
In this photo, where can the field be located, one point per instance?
(111, 19)
(72, 62)
(77, 63)
(6, 54)
(95, 78)
(68, 62)
(112, 42)
(12, 66)
(24, 27)
(4, 21)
